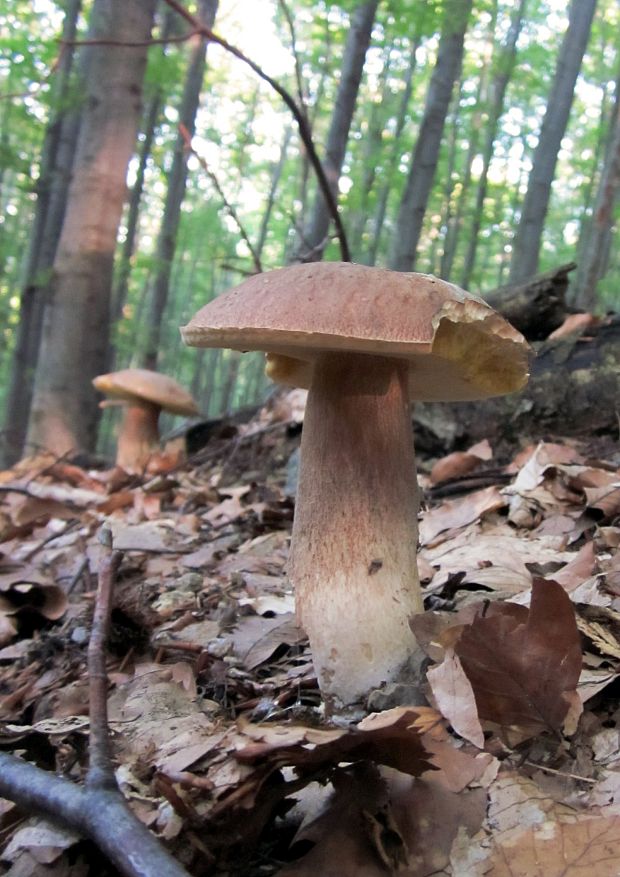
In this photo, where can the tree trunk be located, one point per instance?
(276, 175)
(371, 136)
(597, 249)
(453, 230)
(177, 179)
(360, 31)
(401, 118)
(504, 68)
(526, 246)
(426, 153)
(76, 325)
(52, 186)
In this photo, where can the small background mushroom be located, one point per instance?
(143, 394)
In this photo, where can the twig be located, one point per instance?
(100, 771)
(99, 809)
(298, 114)
(187, 139)
(561, 773)
(70, 525)
(298, 75)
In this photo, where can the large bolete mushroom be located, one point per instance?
(365, 341)
(143, 394)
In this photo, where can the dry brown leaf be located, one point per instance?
(523, 664)
(386, 822)
(454, 465)
(574, 323)
(604, 499)
(25, 589)
(455, 699)
(581, 567)
(457, 513)
(589, 846)
(393, 738)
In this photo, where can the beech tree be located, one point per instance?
(314, 238)
(177, 178)
(426, 152)
(76, 324)
(52, 188)
(526, 246)
(595, 254)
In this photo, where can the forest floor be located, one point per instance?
(505, 761)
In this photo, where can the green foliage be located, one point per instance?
(240, 132)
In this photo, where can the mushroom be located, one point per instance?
(365, 341)
(143, 394)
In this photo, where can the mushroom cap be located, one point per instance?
(148, 386)
(457, 346)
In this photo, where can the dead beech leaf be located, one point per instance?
(386, 822)
(577, 570)
(523, 664)
(454, 465)
(25, 589)
(455, 699)
(457, 513)
(392, 737)
(589, 846)
(605, 499)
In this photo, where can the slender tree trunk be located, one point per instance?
(444, 231)
(426, 153)
(52, 187)
(401, 118)
(149, 128)
(453, 230)
(177, 179)
(595, 255)
(372, 139)
(526, 246)
(276, 176)
(75, 334)
(500, 82)
(360, 31)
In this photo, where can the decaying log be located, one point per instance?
(574, 390)
(535, 307)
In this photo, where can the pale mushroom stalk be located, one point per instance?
(138, 437)
(353, 554)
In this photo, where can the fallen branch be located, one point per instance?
(98, 810)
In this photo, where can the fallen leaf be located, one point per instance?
(523, 664)
(457, 513)
(455, 699)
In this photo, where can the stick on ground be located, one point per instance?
(98, 810)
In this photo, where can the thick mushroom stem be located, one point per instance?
(138, 436)
(353, 554)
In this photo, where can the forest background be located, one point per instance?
(478, 140)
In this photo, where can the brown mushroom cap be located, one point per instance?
(457, 346)
(149, 386)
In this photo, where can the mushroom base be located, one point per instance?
(353, 554)
(138, 437)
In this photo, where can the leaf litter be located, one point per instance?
(507, 760)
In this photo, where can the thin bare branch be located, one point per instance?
(229, 207)
(298, 114)
(298, 74)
